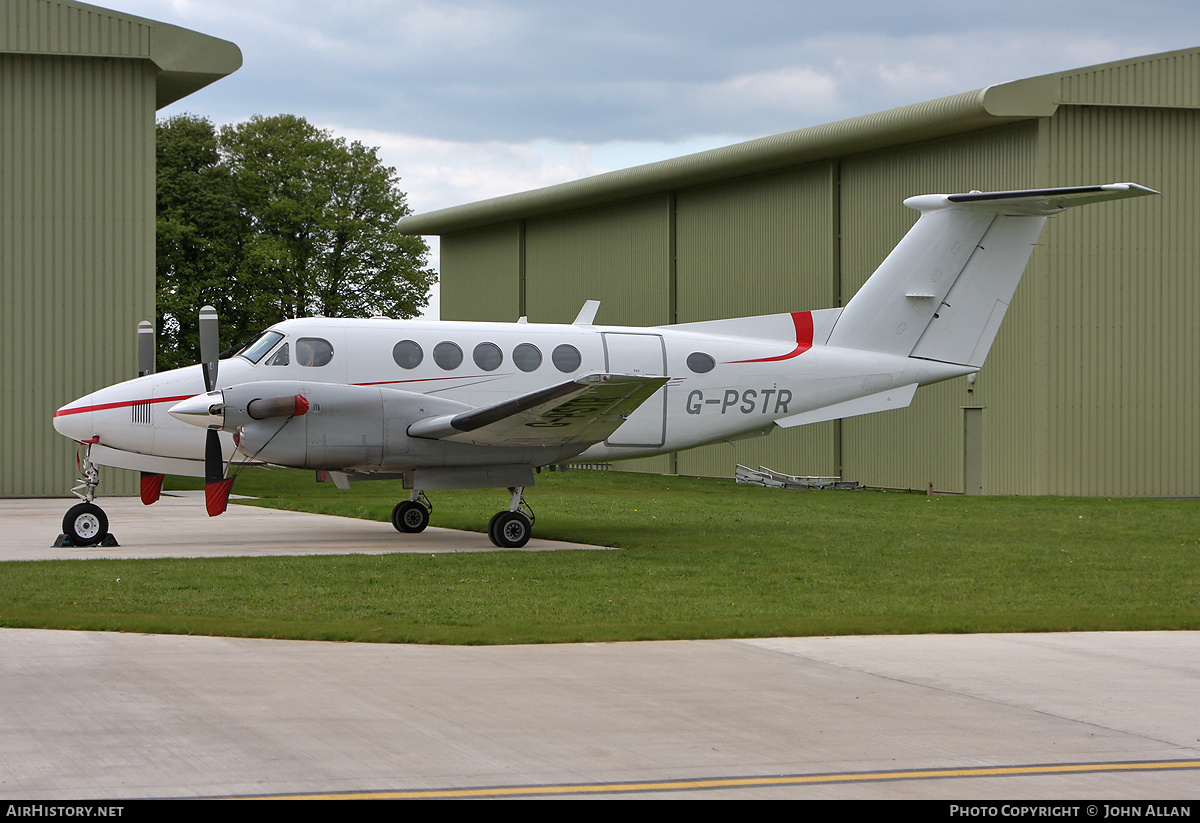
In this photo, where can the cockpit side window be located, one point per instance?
(280, 357)
(313, 351)
(260, 345)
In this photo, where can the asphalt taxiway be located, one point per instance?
(1096, 716)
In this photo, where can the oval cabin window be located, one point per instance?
(447, 355)
(407, 354)
(488, 356)
(566, 358)
(527, 357)
(700, 363)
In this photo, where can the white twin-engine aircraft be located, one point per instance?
(448, 405)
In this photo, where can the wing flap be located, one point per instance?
(582, 411)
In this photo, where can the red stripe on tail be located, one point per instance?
(804, 339)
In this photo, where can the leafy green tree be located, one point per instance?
(199, 235)
(286, 221)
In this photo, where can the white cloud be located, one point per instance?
(785, 90)
(442, 173)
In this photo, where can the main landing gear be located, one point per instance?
(412, 515)
(86, 524)
(512, 529)
(507, 530)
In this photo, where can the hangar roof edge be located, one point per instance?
(1169, 79)
(186, 60)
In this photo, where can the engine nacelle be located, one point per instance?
(351, 428)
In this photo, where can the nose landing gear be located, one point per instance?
(86, 524)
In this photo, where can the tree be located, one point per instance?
(199, 234)
(288, 221)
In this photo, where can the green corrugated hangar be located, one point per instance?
(79, 87)
(1093, 385)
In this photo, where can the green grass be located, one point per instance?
(700, 558)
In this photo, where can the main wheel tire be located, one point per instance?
(492, 527)
(511, 530)
(410, 517)
(85, 524)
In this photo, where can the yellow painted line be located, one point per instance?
(744, 782)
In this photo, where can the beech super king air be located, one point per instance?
(447, 405)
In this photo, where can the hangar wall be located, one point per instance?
(79, 87)
(69, 241)
(1122, 381)
(1092, 387)
(625, 246)
(495, 255)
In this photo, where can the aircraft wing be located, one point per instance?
(582, 411)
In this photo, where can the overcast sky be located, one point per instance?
(477, 98)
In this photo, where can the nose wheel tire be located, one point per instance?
(85, 524)
(510, 530)
(410, 517)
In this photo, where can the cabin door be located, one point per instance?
(644, 355)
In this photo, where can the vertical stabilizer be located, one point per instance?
(891, 310)
(942, 292)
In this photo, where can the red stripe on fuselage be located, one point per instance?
(120, 405)
(126, 403)
(804, 338)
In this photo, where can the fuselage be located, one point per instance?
(727, 379)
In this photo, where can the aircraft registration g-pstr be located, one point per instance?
(446, 405)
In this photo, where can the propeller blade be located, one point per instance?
(145, 348)
(210, 346)
(216, 497)
(151, 487)
(214, 463)
(216, 487)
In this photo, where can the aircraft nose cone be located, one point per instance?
(74, 420)
(207, 411)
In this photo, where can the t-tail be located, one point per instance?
(943, 291)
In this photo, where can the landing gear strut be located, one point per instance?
(511, 529)
(412, 515)
(86, 524)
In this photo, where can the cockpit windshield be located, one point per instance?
(260, 345)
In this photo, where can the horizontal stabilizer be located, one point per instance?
(1044, 201)
(582, 412)
(897, 398)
